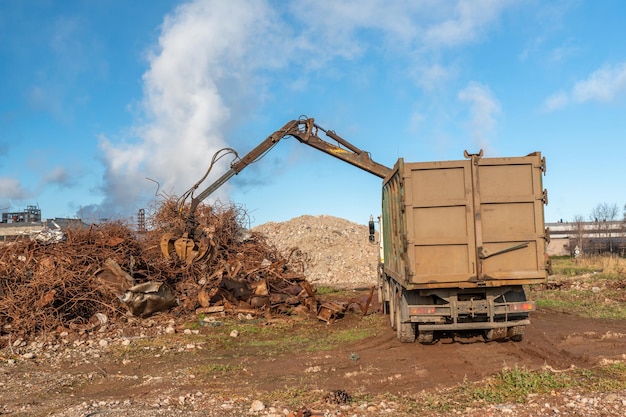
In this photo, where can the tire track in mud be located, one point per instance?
(562, 340)
(556, 340)
(382, 364)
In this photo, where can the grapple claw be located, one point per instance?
(167, 244)
(185, 248)
(203, 248)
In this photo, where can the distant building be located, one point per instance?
(590, 238)
(32, 214)
(28, 222)
(18, 230)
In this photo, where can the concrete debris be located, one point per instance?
(46, 235)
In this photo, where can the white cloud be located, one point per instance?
(12, 189)
(436, 75)
(604, 85)
(484, 108)
(59, 176)
(556, 101)
(404, 23)
(468, 21)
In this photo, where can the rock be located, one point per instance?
(257, 406)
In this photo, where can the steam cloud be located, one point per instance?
(212, 56)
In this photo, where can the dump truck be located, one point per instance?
(459, 240)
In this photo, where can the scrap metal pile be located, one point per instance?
(102, 272)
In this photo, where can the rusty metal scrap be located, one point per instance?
(148, 298)
(331, 311)
(114, 278)
(107, 270)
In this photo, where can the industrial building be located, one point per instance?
(32, 214)
(28, 222)
(590, 238)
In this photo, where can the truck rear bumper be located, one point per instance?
(473, 325)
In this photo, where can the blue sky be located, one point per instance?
(99, 99)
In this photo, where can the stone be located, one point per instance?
(257, 406)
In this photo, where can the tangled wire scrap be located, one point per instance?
(46, 287)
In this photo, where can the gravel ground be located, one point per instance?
(43, 377)
(49, 369)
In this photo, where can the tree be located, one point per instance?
(602, 216)
(578, 229)
(623, 231)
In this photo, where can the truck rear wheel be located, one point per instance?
(426, 337)
(406, 331)
(393, 302)
(516, 333)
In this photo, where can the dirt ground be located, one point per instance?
(119, 371)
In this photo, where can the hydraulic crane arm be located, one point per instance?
(306, 131)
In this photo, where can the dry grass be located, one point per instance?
(593, 287)
(612, 265)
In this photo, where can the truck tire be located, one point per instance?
(393, 302)
(381, 300)
(516, 334)
(385, 296)
(406, 331)
(426, 337)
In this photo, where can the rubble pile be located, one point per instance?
(339, 252)
(101, 272)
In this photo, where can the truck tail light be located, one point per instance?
(421, 311)
(525, 306)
